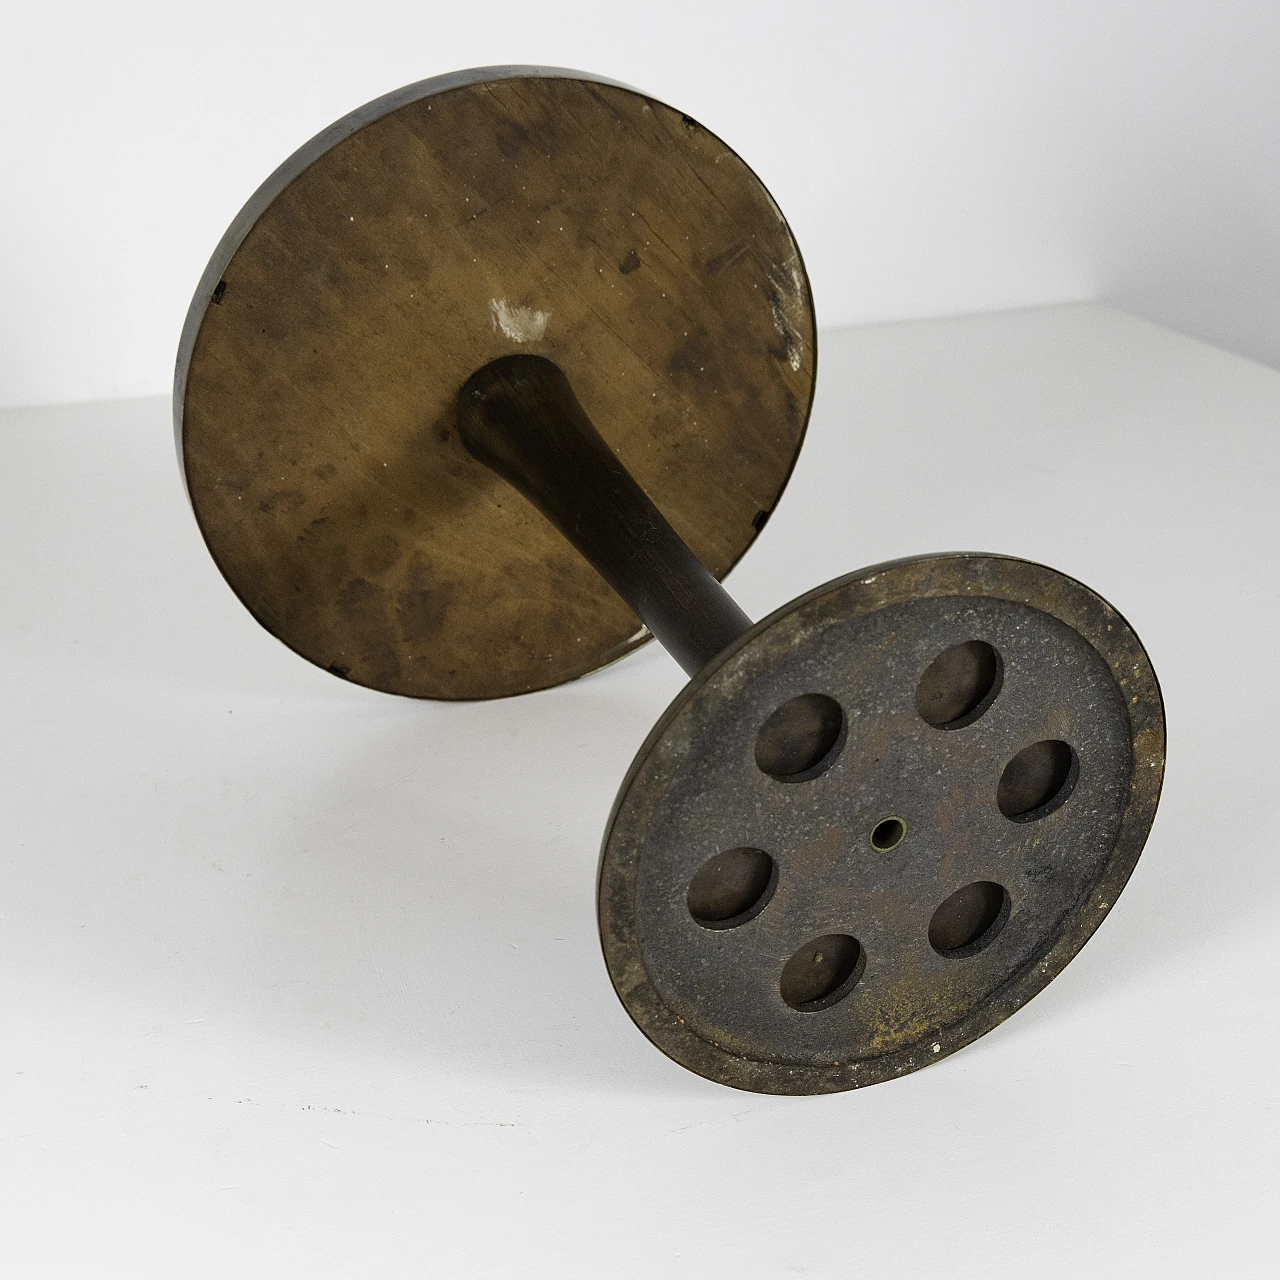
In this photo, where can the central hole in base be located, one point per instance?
(888, 834)
(822, 972)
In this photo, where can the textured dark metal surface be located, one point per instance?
(966, 825)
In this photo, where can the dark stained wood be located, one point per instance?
(562, 217)
(519, 416)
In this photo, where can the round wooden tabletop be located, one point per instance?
(457, 220)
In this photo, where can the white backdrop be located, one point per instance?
(933, 158)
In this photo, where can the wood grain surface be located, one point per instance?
(563, 217)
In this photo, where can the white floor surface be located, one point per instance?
(297, 979)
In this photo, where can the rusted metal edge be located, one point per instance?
(949, 574)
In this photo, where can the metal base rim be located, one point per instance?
(949, 574)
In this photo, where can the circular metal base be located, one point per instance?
(493, 212)
(880, 822)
